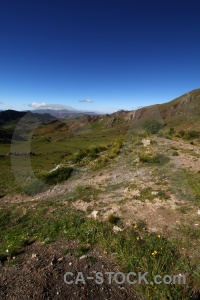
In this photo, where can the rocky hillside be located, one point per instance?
(183, 111)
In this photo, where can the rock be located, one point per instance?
(117, 229)
(94, 214)
(137, 160)
(57, 167)
(83, 257)
(154, 193)
(146, 142)
(60, 259)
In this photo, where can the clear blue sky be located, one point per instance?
(113, 54)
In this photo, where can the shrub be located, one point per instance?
(89, 153)
(113, 219)
(79, 156)
(192, 134)
(173, 147)
(57, 176)
(181, 133)
(83, 249)
(115, 147)
(100, 162)
(3, 257)
(152, 126)
(171, 131)
(146, 194)
(153, 158)
(175, 153)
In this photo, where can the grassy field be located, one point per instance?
(52, 144)
(121, 179)
(135, 248)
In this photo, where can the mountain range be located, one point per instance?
(183, 111)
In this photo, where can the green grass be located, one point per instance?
(186, 185)
(175, 153)
(102, 154)
(145, 194)
(57, 176)
(155, 158)
(135, 248)
(56, 144)
(88, 154)
(86, 193)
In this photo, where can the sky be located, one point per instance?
(97, 55)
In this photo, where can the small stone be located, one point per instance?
(94, 214)
(136, 160)
(154, 193)
(60, 259)
(146, 142)
(83, 257)
(117, 229)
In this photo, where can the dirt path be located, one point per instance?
(121, 184)
(126, 188)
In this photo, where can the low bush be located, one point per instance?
(181, 133)
(152, 126)
(156, 158)
(77, 157)
(88, 153)
(175, 153)
(171, 131)
(192, 134)
(113, 219)
(189, 135)
(57, 176)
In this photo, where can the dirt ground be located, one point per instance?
(40, 275)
